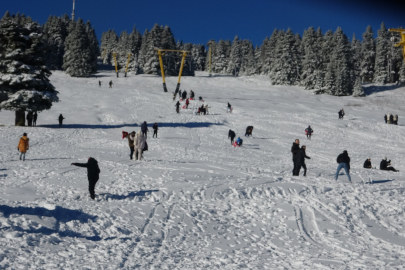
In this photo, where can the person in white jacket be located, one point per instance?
(139, 145)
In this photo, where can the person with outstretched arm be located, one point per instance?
(93, 174)
(344, 163)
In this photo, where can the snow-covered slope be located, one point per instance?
(195, 202)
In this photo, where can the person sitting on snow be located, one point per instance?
(385, 165)
(367, 164)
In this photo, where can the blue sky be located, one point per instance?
(200, 21)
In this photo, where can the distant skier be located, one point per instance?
(23, 146)
(344, 163)
(232, 135)
(385, 118)
(111, 84)
(177, 107)
(249, 131)
(295, 148)
(144, 128)
(367, 164)
(309, 132)
(300, 159)
(155, 130)
(187, 103)
(385, 165)
(93, 174)
(60, 119)
(131, 143)
(139, 146)
(391, 121)
(29, 119)
(34, 119)
(99, 83)
(184, 95)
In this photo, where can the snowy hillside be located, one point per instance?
(196, 202)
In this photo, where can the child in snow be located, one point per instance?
(23, 146)
(93, 172)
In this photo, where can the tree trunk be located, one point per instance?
(20, 118)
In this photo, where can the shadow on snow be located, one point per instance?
(160, 125)
(130, 195)
(368, 90)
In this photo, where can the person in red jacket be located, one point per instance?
(187, 102)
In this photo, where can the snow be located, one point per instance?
(195, 201)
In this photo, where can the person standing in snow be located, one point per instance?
(155, 130)
(385, 118)
(179, 93)
(131, 143)
(395, 120)
(23, 146)
(300, 159)
(309, 132)
(144, 128)
(29, 119)
(184, 95)
(34, 119)
(249, 131)
(177, 106)
(174, 96)
(139, 146)
(385, 165)
(93, 174)
(232, 135)
(60, 119)
(191, 94)
(341, 114)
(295, 148)
(367, 164)
(344, 163)
(99, 83)
(187, 103)
(391, 121)
(110, 83)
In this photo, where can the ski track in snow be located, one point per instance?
(195, 201)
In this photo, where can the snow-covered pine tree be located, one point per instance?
(358, 90)
(258, 59)
(368, 56)
(93, 44)
(122, 50)
(55, 33)
(319, 83)
(356, 55)
(24, 83)
(248, 65)
(381, 75)
(77, 61)
(109, 42)
(401, 80)
(269, 52)
(340, 81)
(285, 70)
(189, 66)
(134, 45)
(327, 46)
(235, 58)
(312, 63)
(219, 60)
(199, 55)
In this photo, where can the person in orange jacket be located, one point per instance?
(23, 146)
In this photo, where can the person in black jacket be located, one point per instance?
(300, 160)
(385, 118)
(34, 119)
(384, 165)
(367, 164)
(144, 128)
(391, 119)
(294, 150)
(309, 132)
(232, 135)
(61, 120)
(249, 131)
(177, 107)
(344, 163)
(155, 129)
(184, 95)
(93, 172)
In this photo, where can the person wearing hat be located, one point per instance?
(367, 164)
(344, 163)
(23, 146)
(385, 165)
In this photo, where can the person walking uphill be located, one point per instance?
(144, 128)
(309, 132)
(23, 146)
(344, 163)
(177, 107)
(155, 130)
(60, 119)
(295, 148)
(93, 173)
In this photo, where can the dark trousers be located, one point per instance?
(390, 169)
(60, 122)
(132, 151)
(92, 185)
(34, 122)
(304, 166)
(154, 133)
(177, 109)
(144, 133)
(232, 138)
(297, 167)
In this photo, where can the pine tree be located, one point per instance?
(312, 63)
(356, 55)
(199, 55)
(24, 83)
(93, 45)
(327, 46)
(381, 75)
(258, 59)
(55, 33)
(248, 65)
(401, 80)
(77, 61)
(134, 45)
(269, 52)
(109, 42)
(368, 56)
(358, 90)
(235, 58)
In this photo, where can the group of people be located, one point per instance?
(203, 109)
(110, 84)
(183, 94)
(385, 165)
(232, 135)
(32, 119)
(391, 119)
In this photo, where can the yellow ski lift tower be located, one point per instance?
(115, 61)
(162, 68)
(209, 44)
(402, 42)
(126, 69)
